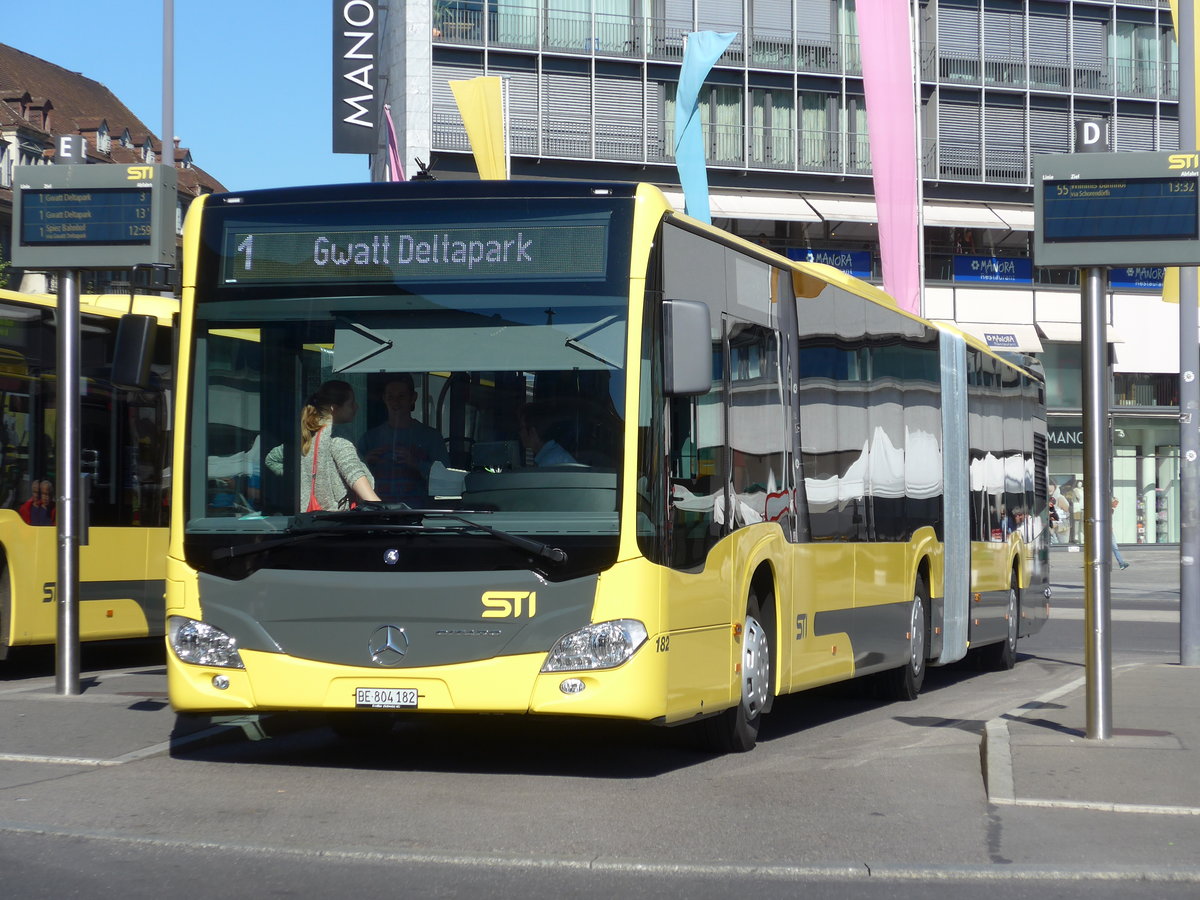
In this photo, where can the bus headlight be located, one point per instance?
(604, 645)
(202, 645)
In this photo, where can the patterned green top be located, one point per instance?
(338, 467)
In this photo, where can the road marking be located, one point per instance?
(862, 871)
(1159, 616)
(57, 760)
(158, 749)
(1093, 805)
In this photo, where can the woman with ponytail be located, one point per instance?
(331, 474)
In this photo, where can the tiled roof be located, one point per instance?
(79, 103)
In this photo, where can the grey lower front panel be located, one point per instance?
(434, 619)
(884, 629)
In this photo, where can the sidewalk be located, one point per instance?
(1039, 755)
(120, 717)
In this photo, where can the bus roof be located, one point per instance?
(162, 308)
(376, 190)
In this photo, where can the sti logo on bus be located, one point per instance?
(507, 604)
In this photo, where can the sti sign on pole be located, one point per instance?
(1116, 209)
(355, 49)
(67, 218)
(1093, 211)
(93, 217)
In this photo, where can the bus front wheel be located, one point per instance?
(904, 683)
(736, 730)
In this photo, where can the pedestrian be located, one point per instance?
(1117, 550)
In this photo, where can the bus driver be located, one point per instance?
(400, 451)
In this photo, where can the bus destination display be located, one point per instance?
(531, 251)
(86, 216)
(1120, 209)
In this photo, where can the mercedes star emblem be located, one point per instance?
(388, 645)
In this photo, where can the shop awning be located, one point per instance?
(1003, 335)
(790, 207)
(1070, 333)
(767, 207)
(1018, 218)
(961, 215)
(844, 209)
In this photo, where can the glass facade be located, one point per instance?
(593, 82)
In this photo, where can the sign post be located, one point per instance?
(1092, 211)
(68, 218)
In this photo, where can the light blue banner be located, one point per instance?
(703, 50)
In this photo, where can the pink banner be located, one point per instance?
(889, 81)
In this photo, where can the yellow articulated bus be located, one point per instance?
(628, 466)
(125, 449)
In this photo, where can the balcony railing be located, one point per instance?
(730, 146)
(1112, 76)
(532, 27)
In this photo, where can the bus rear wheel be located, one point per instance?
(736, 730)
(1003, 656)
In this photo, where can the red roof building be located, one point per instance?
(39, 101)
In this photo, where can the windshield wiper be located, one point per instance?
(262, 546)
(537, 548)
(352, 521)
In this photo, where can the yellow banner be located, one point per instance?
(1171, 274)
(481, 105)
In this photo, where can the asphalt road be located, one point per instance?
(845, 796)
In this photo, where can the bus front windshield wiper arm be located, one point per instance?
(373, 518)
(262, 546)
(545, 551)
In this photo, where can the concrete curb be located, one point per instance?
(996, 758)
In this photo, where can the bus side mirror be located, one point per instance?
(687, 348)
(133, 352)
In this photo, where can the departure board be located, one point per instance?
(102, 216)
(94, 216)
(1113, 210)
(1125, 209)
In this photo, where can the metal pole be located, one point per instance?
(1189, 374)
(1097, 506)
(168, 83)
(66, 670)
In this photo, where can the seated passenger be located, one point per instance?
(331, 474)
(538, 421)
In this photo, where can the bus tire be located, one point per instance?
(904, 683)
(1003, 656)
(736, 730)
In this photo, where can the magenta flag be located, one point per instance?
(395, 167)
(890, 84)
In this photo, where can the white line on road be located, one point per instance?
(1160, 616)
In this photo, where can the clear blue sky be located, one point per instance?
(252, 78)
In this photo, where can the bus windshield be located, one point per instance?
(499, 400)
